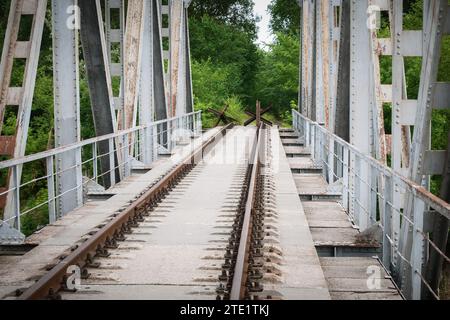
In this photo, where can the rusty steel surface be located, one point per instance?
(51, 283)
(132, 62)
(241, 268)
(2, 197)
(7, 144)
(176, 22)
(325, 47)
(253, 116)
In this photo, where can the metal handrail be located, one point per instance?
(156, 133)
(372, 195)
(417, 190)
(73, 146)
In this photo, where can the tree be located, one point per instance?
(285, 16)
(225, 44)
(278, 77)
(238, 13)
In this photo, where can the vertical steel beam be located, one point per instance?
(65, 16)
(99, 81)
(335, 18)
(360, 116)
(176, 56)
(307, 63)
(114, 34)
(342, 115)
(322, 62)
(20, 97)
(300, 57)
(376, 97)
(132, 61)
(160, 90)
(397, 96)
(146, 103)
(188, 72)
(180, 98)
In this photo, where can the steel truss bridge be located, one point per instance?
(334, 208)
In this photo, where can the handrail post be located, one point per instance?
(307, 133)
(357, 190)
(345, 178)
(331, 161)
(112, 169)
(169, 135)
(313, 140)
(417, 253)
(155, 142)
(95, 161)
(16, 182)
(387, 220)
(51, 190)
(373, 195)
(126, 155)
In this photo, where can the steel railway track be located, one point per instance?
(241, 274)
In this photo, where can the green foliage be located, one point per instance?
(225, 44)
(235, 111)
(4, 12)
(237, 13)
(212, 83)
(278, 76)
(413, 19)
(38, 217)
(285, 16)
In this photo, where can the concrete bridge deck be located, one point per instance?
(350, 262)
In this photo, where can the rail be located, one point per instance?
(241, 267)
(369, 196)
(97, 163)
(107, 237)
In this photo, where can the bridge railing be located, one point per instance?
(100, 163)
(367, 195)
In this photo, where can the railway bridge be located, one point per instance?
(338, 206)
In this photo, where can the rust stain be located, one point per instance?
(2, 198)
(7, 144)
(388, 144)
(326, 60)
(175, 48)
(306, 60)
(377, 50)
(132, 60)
(406, 141)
